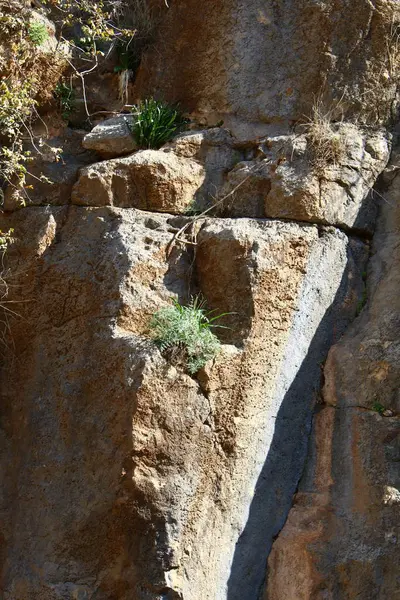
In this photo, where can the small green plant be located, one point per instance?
(155, 123)
(38, 33)
(6, 238)
(65, 94)
(378, 407)
(193, 208)
(187, 329)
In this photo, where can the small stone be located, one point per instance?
(388, 413)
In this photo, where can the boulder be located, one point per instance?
(285, 183)
(149, 179)
(111, 137)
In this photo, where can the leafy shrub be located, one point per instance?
(6, 238)
(155, 123)
(38, 33)
(66, 96)
(188, 329)
(16, 106)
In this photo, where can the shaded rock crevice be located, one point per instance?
(340, 538)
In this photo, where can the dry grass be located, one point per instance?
(324, 141)
(379, 99)
(141, 16)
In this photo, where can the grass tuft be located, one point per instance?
(38, 33)
(187, 330)
(155, 123)
(326, 145)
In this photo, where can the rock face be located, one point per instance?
(122, 476)
(180, 177)
(149, 179)
(200, 168)
(341, 539)
(261, 61)
(286, 184)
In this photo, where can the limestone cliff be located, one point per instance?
(272, 472)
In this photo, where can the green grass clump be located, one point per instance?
(378, 407)
(187, 329)
(155, 123)
(38, 33)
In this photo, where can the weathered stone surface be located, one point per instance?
(198, 168)
(341, 539)
(262, 61)
(183, 176)
(112, 137)
(123, 477)
(285, 184)
(214, 149)
(61, 172)
(149, 179)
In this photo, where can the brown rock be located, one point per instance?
(255, 63)
(184, 175)
(343, 530)
(149, 179)
(123, 477)
(286, 185)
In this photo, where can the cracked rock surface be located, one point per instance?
(122, 476)
(341, 539)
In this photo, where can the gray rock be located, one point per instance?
(112, 137)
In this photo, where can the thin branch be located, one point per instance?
(177, 235)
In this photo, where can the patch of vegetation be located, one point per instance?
(155, 123)
(65, 94)
(86, 32)
(324, 141)
(16, 106)
(378, 407)
(127, 59)
(193, 208)
(187, 330)
(38, 33)
(6, 239)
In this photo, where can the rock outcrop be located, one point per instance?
(124, 477)
(341, 539)
(260, 62)
(285, 183)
